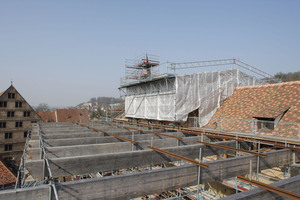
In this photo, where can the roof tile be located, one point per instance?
(263, 101)
(6, 176)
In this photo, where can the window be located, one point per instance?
(10, 114)
(8, 147)
(265, 123)
(26, 114)
(8, 135)
(11, 95)
(25, 134)
(18, 104)
(33, 122)
(8, 159)
(2, 124)
(3, 104)
(19, 124)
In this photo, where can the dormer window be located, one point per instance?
(270, 120)
(265, 123)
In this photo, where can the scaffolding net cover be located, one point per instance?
(173, 98)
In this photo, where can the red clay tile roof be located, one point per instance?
(72, 115)
(269, 113)
(47, 116)
(6, 176)
(264, 101)
(1, 93)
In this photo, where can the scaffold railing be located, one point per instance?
(255, 127)
(22, 167)
(211, 63)
(165, 69)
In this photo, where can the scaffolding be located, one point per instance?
(171, 97)
(140, 69)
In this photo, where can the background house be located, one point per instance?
(16, 117)
(65, 115)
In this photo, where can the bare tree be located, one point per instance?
(43, 107)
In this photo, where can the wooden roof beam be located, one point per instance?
(233, 149)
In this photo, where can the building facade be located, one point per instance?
(16, 117)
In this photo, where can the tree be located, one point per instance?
(43, 107)
(93, 100)
(282, 77)
(291, 76)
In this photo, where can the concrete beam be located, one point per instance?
(36, 193)
(70, 166)
(97, 140)
(80, 150)
(63, 129)
(156, 181)
(79, 134)
(291, 184)
(61, 135)
(69, 132)
(70, 129)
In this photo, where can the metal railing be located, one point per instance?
(46, 164)
(22, 167)
(22, 173)
(252, 126)
(211, 63)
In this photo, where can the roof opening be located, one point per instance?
(265, 123)
(269, 122)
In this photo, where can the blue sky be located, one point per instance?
(65, 52)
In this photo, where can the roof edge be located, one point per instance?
(269, 85)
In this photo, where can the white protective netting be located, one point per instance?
(150, 106)
(204, 91)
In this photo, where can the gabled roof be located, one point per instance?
(265, 101)
(65, 115)
(47, 116)
(11, 87)
(6, 176)
(6, 90)
(72, 115)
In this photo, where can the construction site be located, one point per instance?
(220, 132)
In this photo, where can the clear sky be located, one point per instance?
(65, 52)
